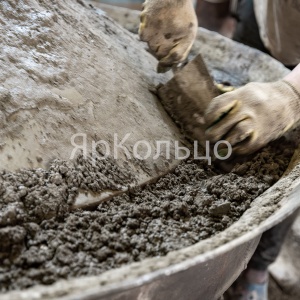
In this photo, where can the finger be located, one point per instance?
(165, 47)
(241, 132)
(178, 53)
(142, 32)
(247, 147)
(159, 47)
(162, 46)
(224, 88)
(220, 106)
(222, 129)
(243, 138)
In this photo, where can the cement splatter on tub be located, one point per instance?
(42, 241)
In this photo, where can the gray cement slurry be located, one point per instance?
(42, 240)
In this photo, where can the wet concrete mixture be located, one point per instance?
(42, 241)
(47, 96)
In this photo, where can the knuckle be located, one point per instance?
(214, 105)
(153, 43)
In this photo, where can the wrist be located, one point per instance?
(293, 78)
(291, 97)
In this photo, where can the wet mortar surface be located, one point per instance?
(43, 241)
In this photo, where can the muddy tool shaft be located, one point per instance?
(186, 97)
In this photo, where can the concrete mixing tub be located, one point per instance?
(206, 269)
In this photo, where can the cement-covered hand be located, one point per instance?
(169, 27)
(251, 116)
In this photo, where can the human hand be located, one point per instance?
(251, 116)
(170, 28)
